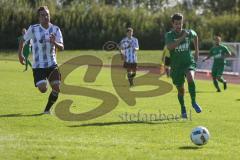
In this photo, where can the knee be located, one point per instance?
(42, 86)
(56, 88)
(181, 91)
(42, 89)
(190, 79)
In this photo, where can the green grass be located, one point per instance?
(25, 135)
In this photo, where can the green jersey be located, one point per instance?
(218, 53)
(26, 52)
(26, 48)
(181, 56)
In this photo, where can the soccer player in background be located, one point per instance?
(45, 37)
(165, 62)
(129, 46)
(219, 52)
(182, 61)
(26, 50)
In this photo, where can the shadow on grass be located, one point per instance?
(96, 85)
(21, 115)
(238, 99)
(199, 92)
(206, 92)
(125, 123)
(190, 147)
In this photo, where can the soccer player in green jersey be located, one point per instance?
(219, 52)
(165, 62)
(26, 50)
(183, 63)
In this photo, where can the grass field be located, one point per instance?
(24, 134)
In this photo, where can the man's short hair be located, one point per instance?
(42, 8)
(218, 35)
(177, 16)
(129, 29)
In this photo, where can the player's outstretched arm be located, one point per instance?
(20, 50)
(229, 54)
(206, 58)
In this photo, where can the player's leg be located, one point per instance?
(167, 66)
(29, 63)
(181, 92)
(192, 90)
(26, 61)
(52, 97)
(214, 77)
(129, 75)
(222, 80)
(129, 72)
(42, 86)
(178, 80)
(40, 79)
(133, 72)
(220, 76)
(216, 84)
(26, 52)
(54, 78)
(125, 65)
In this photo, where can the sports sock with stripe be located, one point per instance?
(192, 91)
(51, 100)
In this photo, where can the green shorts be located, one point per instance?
(178, 74)
(217, 71)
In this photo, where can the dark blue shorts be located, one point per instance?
(130, 65)
(41, 75)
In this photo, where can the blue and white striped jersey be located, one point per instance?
(128, 46)
(44, 53)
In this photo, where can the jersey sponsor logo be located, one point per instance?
(183, 47)
(217, 54)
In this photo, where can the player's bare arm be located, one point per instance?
(54, 42)
(206, 58)
(177, 42)
(20, 54)
(136, 48)
(229, 54)
(121, 53)
(196, 46)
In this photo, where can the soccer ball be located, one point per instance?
(200, 135)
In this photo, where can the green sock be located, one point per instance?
(29, 63)
(192, 91)
(216, 84)
(181, 100)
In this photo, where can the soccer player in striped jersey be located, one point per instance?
(129, 46)
(45, 37)
(219, 52)
(182, 63)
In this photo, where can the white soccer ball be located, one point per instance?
(200, 135)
